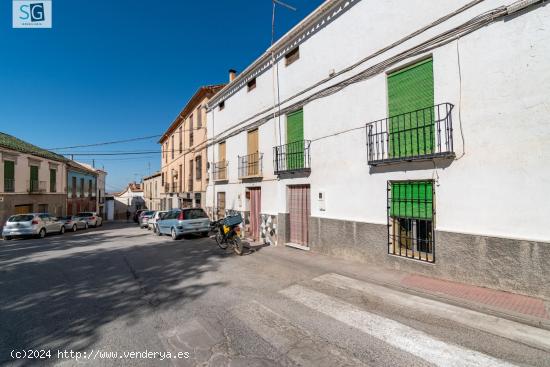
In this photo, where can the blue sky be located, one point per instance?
(111, 70)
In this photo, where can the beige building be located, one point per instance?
(152, 186)
(32, 179)
(184, 173)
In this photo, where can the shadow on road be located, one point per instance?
(55, 299)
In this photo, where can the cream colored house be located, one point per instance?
(183, 146)
(32, 179)
(152, 186)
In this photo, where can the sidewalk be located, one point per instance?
(516, 307)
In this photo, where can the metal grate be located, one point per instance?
(292, 157)
(9, 185)
(250, 165)
(411, 219)
(422, 134)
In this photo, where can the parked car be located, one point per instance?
(153, 221)
(137, 214)
(178, 222)
(91, 218)
(32, 224)
(145, 217)
(73, 223)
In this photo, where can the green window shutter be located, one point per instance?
(53, 180)
(295, 139)
(409, 90)
(412, 199)
(9, 170)
(34, 178)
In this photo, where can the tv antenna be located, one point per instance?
(275, 3)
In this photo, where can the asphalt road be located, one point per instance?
(107, 292)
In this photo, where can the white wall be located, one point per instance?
(499, 187)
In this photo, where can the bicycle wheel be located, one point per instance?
(238, 246)
(220, 241)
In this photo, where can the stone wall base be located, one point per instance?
(511, 265)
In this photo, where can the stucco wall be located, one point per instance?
(500, 178)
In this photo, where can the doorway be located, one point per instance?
(299, 209)
(255, 212)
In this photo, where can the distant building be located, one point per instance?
(131, 199)
(152, 186)
(81, 188)
(100, 188)
(183, 145)
(32, 179)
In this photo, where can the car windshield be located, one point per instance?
(194, 214)
(149, 213)
(84, 215)
(21, 218)
(66, 218)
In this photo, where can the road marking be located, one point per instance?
(529, 335)
(296, 344)
(398, 335)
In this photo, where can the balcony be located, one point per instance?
(418, 135)
(219, 171)
(9, 185)
(250, 166)
(36, 187)
(292, 157)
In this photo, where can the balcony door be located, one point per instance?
(252, 160)
(295, 140)
(410, 98)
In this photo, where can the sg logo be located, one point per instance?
(32, 14)
(33, 11)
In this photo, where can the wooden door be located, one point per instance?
(299, 212)
(23, 209)
(255, 212)
(221, 205)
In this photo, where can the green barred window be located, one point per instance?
(412, 199)
(410, 219)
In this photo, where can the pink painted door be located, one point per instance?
(299, 211)
(255, 210)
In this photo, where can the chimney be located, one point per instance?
(232, 75)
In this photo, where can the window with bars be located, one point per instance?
(411, 215)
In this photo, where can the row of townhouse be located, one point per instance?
(37, 180)
(397, 133)
(183, 175)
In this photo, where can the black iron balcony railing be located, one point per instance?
(292, 157)
(35, 186)
(219, 171)
(422, 134)
(9, 185)
(250, 165)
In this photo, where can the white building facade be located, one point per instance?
(401, 134)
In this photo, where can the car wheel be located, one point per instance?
(62, 230)
(174, 234)
(204, 234)
(7, 238)
(74, 228)
(101, 223)
(42, 233)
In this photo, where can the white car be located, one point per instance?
(153, 221)
(91, 218)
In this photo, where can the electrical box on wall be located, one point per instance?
(322, 201)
